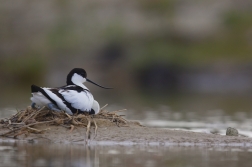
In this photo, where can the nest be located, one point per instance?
(23, 121)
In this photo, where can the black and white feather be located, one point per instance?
(73, 98)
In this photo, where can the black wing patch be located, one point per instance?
(66, 88)
(75, 88)
(35, 89)
(56, 92)
(79, 89)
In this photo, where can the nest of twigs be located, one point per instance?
(23, 121)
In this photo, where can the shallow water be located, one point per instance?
(77, 155)
(199, 114)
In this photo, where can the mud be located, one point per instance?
(131, 133)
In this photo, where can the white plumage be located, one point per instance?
(82, 101)
(39, 99)
(72, 98)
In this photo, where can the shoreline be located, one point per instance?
(130, 135)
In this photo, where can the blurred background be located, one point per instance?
(176, 60)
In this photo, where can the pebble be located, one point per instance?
(232, 132)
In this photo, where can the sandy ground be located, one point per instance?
(133, 133)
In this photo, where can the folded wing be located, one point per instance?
(82, 100)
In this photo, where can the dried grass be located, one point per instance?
(23, 121)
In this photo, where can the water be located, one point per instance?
(192, 113)
(76, 155)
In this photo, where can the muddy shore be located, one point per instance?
(132, 133)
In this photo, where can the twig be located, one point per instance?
(72, 128)
(96, 127)
(20, 133)
(114, 112)
(21, 115)
(37, 130)
(104, 107)
(14, 130)
(68, 115)
(88, 129)
(16, 123)
(27, 118)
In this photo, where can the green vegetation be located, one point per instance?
(23, 69)
(158, 6)
(232, 43)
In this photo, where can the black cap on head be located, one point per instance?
(79, 71)
(82, 73)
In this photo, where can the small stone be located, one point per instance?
(232, 132)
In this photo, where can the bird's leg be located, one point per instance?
(96, 127)
(53, 107)
(88, 129)
(33, 105)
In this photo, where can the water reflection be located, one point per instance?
(73, 155)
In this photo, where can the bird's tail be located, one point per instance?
(35, 89)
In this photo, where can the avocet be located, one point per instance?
(73, 98)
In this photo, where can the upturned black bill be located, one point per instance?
(97, 84)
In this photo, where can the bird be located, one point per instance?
(72, 98)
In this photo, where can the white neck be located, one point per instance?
(82, 85)
(78, 80)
